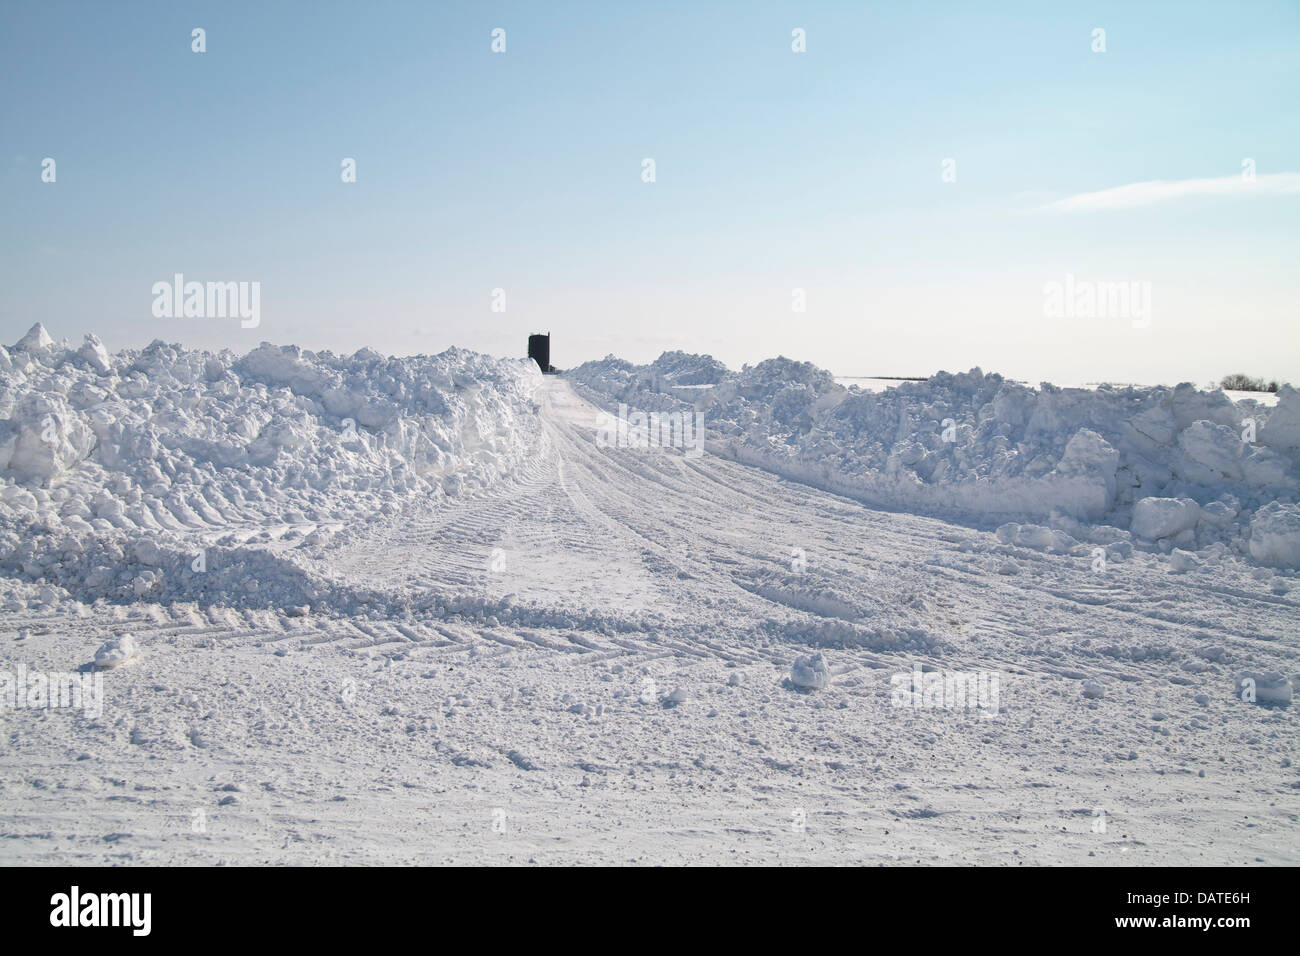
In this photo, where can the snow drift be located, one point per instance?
(1163, 467)
(112, 466)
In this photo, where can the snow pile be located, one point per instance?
(669, 379)
(114, 467)
(1162, 467)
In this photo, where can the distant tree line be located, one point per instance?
(1240, 382)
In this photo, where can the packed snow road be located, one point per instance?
(591, 663)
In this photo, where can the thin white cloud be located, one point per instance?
(1160, 190)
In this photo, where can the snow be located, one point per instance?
(459, 630)
(117, 652)
(810, 673)
(1275, 535)
(149, 457)
(975, 447)
(1266, 689)
(1164, 517)
(1281, 430)
(36, 341)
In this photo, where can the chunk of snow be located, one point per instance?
(1211, 453)
(36, 340)
(1155, 518)
(95, 355)
(1275, 535)
(117, 652)
(1282, 429)
(1267, 688)
(811, 672)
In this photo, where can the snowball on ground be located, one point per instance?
(810, 673)
(118, 651)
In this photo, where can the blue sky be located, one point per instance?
(775, 170)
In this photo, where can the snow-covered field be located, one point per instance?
(417, 611)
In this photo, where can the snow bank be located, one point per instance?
(1168, 467)
(113, 466)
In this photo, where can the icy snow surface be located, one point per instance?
(459, 629)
